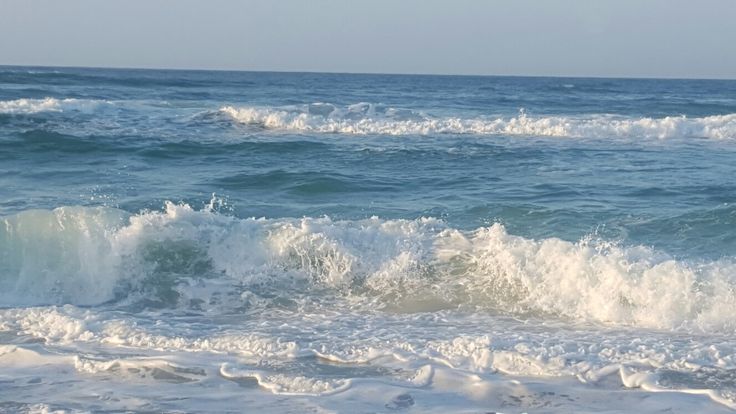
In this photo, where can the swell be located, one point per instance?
(371, 119)
(304, 183)
(701, 231)
(184, 257)
(41, 140)
(187, 148)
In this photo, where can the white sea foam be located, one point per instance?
(369, 119)
(32, 106)
(287, 385)
(138, 369)
(406, 359)
(94, 255)
(68, 325)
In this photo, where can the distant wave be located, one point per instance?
(376, 119)
(32, 106)
(367, 119)
(89, 256)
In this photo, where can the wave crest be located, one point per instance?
(181, 256)
(370, 119)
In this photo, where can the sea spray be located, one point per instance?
(89, 256)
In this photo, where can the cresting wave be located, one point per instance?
(367, 119)
(375, 119)
(33, 106)
(88, 256)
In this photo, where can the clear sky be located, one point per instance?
(630, 38)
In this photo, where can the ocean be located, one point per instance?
(212, 241)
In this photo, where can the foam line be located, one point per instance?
(370, 119)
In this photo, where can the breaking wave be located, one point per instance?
(88, 256)
(367, 119)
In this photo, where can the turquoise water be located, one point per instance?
(228, 225)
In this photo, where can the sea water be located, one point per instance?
(194, 241)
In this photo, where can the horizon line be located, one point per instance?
(180, 69)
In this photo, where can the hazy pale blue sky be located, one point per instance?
(649, 38)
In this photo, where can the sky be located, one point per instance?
(621, 38)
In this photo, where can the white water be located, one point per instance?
(374, 119)
(32, 106)
(88, 256)
(373, 360)
(366, 119)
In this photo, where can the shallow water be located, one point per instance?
(227, 241)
